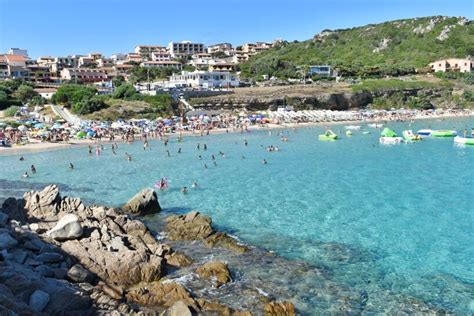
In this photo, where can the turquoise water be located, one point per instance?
(403, 214)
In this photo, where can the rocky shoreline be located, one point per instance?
(58, 256)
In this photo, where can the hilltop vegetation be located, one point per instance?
(391, 48)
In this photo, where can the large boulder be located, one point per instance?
(216, 272)
(68, 227)
(43, 204)
(144, 202)
(190, 226)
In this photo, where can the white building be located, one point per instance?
(185, 47)
(204, 79)
(160, 56)
(161, 64)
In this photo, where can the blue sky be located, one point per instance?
(61, 27)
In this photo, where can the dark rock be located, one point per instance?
(79, 274)
(7, 241)
(39, 300)
(49, 257)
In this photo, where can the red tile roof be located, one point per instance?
(11, 58)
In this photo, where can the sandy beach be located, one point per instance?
(47, 146)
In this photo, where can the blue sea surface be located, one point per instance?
(381, 218)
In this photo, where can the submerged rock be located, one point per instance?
(216, 272)
(144, 202)
(220, 239)
(162, 294)
(279, 309)
(68, 227)
(190, 226)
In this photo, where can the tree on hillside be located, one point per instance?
(71, 93)
(126, 92)
(24, 93)
(118, 81)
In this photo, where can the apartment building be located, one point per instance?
(160, 56)
(146, 50)
(18, 51)
(85, 75)
(185, 47)
(225, 48)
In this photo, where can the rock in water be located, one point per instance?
(68, 227)
(216, 272)
(39, 300)
(191, 226)
(144, 202)
(179, 309)
(279, 309)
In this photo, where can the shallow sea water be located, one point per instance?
(378, 220)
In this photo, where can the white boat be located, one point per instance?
(352, 127)
(425, 132)
(390, 140)
(375, 125)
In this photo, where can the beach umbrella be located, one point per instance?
(9, 128)
(39, 125)
(22, 128)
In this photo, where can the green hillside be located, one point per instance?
(391, 48)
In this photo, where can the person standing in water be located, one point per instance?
(71, 166)
(33, 169)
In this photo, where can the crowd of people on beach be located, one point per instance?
(30, 132)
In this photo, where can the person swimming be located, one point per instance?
(246, 142)
(179, 150)
(215, 163)
(25, 175)
(21, 158)
(33, 169)
(168, 152)
(205, 166)
(213, 157)
(198, 146)
(264, 161)
(90, 150)
(205, 147)
(184, 190)
(200, 157)
(71, 166)
(194, 185)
